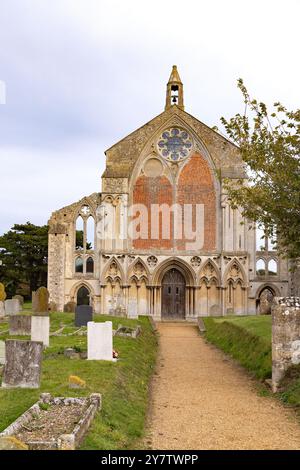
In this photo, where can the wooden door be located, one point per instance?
(173, 295)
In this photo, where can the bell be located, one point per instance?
(174, 99)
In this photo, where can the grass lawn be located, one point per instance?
(124, 385)
(248, 340)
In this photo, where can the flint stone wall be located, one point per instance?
(285, 337)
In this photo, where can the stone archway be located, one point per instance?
(173, 295)
(83, 296)
(264, 300)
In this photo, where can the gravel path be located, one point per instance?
(202, 400)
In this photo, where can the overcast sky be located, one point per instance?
(81, 74)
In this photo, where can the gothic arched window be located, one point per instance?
(90, 265)
(78, 265)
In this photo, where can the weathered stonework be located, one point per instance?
(20, 325)
(120, 276)
(285, 337)
(23, 364)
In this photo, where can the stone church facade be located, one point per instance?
(155, 181)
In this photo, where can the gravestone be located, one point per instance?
(40, 301)
(2, 352)
(83, 315)
(2, 309)
(20, 298)
(132, 308)
(20, 325)
(70, 307)
(52, 306)
(100, 342)
(2, 292)
(40, 329)
(12, 307)
(285, 337)
(23, 364)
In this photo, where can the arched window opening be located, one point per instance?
(272, 268)
(90, 265)
(174, 94)
(260, 239)
(78, 265)
(265, 301)
(79, 233)
(260, 267)
(83, 296)
(90, 233)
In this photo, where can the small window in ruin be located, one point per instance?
(272, 268)
(90, 233)
(79, 233)
(78, 265)
(260, 267)
(90, 265)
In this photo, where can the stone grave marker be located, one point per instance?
(20, 298)
(2, 292)
(12, 307)
(23, 364)
(83, 315)
(40, 301)
(40, 329)
(20, 325)
(100, 342)
(70, 307)
(2, 309)
(2, 352)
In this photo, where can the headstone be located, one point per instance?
(20, 298)
(2, 352)
(83, 315)
(2, 309)
(70, 307)
(2, 292)
(132, 308)
(12, 307)
(100, 343)
(41, 301)
(40, 329)
(285, 337)
(23, 364)
(52, 306)
(20, 325)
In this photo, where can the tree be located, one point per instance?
(24, 256)
(270, 147)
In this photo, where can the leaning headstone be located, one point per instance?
(2, 352)
(23, 364)
(41, 301)
(2, 309)
(100, 343)
(70, 307)
(20, 298)
(83, 315)
(285, 337)
(20, 325)
(132, 308)
(40, 329)
(12, 307)
(2, 292)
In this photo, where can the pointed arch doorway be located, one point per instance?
(173, 295)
